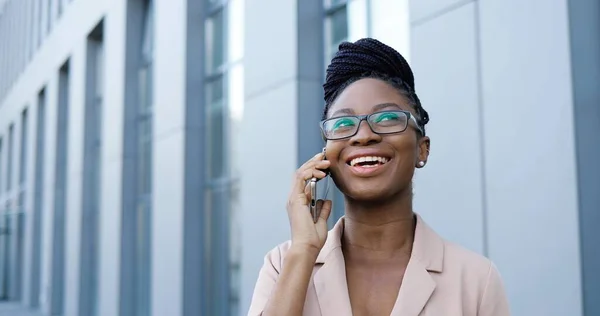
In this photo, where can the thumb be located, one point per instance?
(324, 210)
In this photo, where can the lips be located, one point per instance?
(368, 161)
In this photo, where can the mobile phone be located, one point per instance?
(313, 195)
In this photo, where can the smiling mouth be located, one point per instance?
(368, 161)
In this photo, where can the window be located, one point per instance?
(11, 223)
(336, 32)
(345, 20)
(20, 212)
(9, 158)
(136, 246)
(88, 294)
(3, 229)
(336, 26)
(1, 168)
(224, 110)
(144, 164)
(41, 6)
(49, 7)
(23, 154)
(38, 200)
(60, 185)
(7, 218)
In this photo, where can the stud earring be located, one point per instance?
(421, 163)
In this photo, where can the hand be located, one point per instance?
(305, 232)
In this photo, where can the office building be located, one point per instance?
(146, 147)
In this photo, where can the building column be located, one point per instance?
(74, 169)
(168, 172)
(283, 106)
(111, 179)
(585, 49)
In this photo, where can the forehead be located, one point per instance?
(362, 96)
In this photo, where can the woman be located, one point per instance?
(380, 258)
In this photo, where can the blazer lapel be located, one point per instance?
(330, 276)
(418, 285)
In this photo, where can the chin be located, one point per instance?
(368, 194)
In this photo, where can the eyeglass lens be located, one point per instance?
(382, 122)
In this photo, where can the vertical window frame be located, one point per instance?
(219, 187)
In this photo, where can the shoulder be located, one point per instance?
(473, 268)
(458, 257)
(276, 255)
(479, 274)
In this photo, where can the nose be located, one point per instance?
(365, 136)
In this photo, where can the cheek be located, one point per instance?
(332, 153)
(404, 144)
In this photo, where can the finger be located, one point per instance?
(304, 175)
(322, 165)
(324, 210)
(307, 191)
(315, 160)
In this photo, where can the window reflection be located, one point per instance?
(215, 108)
(224, 29)
(144, 165)
(215, 41)
(336, 28)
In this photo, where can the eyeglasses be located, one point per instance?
(386, 122)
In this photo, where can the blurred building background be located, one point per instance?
(146, 146)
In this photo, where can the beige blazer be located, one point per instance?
(441, 279)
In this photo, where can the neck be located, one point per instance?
(382, 227)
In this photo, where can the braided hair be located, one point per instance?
(369, 58)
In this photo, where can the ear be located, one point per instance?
(424, 144)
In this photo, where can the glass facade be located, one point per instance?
(3, 228)
(5, 217)
(345, 20)
(88, 304)
(10, 240)
(38, 201)
(336, 26)
(20, 208)
(60, 191)
(145, 129)
(224, 86)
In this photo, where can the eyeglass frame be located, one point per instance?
(366, 117)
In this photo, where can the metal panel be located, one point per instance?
(584, 20)
(194, 295)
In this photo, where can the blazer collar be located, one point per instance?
(417, 286)
(428, 246)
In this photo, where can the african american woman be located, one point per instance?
(380, 258)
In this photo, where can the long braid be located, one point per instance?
(369, 58)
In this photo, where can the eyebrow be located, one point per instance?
(375, 108)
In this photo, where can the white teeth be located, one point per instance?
(355, 161)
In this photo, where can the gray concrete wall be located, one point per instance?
(495, 76)
(76, 21)
(444, 58)
(111, 160)
(269, 131)
(168, 172)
